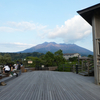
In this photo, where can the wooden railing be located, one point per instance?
(86, 68)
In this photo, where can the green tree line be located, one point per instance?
(49, 59)
(38, 59)
(17, 56)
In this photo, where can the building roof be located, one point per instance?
(70, 53)
(89, 12)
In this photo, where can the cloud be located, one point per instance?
(25, 26)
(14, 47)
(18, 44)
(21, 26)
(7, 29)
(73, 30)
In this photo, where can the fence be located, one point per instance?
(65, 67)
(85, 69)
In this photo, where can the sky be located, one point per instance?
(27, 23)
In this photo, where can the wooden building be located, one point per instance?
(71, 55)
(92, 16)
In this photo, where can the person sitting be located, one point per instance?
(16, 66)
(6, 69)
(19, 68)
(11, 69)
(15, 70)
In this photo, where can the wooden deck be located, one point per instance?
(49, 85)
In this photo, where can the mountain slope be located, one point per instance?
(53, 47)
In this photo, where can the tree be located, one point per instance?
(91, 56)
(58, 57)
(58, 53)
(73, 59)
(36, 61)
(5, 59)
(49, 58)
(1, 59)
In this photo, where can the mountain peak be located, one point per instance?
(45, 43)
(53, 47)
(49, 43)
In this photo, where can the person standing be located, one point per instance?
(19, 68)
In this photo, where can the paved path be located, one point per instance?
(49, 85)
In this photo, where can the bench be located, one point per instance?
(3, 75)
(5, 78)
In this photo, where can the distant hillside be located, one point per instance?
(53, 47)
(22, 56)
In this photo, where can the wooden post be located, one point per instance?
(88, 68)
(82, 65)
(76, 69)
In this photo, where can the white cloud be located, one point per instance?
(73, 30)
(21, 26)
(24, 26)
(18, 44)
(14, 47)
(7, 29)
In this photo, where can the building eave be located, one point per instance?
(89, 12)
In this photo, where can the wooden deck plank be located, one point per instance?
(50, 85)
